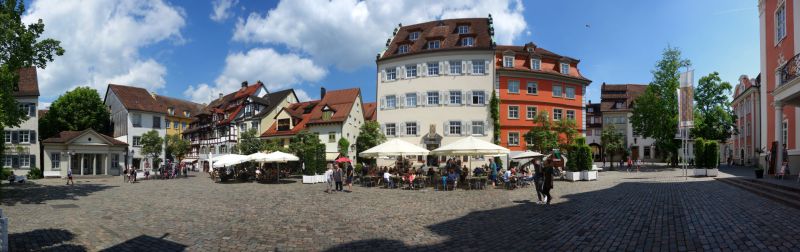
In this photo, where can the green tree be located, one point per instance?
(311, 151)
(344, 146)
(272, 145)
(655, 113)
(494, 106)
(567, 132)
(78, 109)
(152, 144)
(543, 136)
(20, 47)
(370, 135)
(612, 143)
(714, 119)
(177, 146)
(249, 142)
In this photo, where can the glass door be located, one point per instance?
(88, 164)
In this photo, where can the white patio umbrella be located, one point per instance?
(394, 147)
(470, 146)
(230, 159)
(527, 155)
(280, 157)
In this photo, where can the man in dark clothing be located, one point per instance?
(548, 181)
(538, 178)
(337, 177)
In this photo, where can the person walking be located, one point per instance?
(350, 174)
(538, 179)
(493, 175)
(548, 181)
(338, 177)
(329, 178)
(69, 177)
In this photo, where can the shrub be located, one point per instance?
(711, 151)
(699, 152)
(34, 173)
(359, 167)
(580, 156)
(5, 173)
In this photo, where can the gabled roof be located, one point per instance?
(545, 55)
(274, 100)
(310, 113)
(611, 93)
(370, 111)
(69, 136)
(28, 84)
(446, 31)
(136, 98)
(179, 105)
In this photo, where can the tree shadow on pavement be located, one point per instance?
(148, 243)
(629, 216)
(39, 194)
(43, 240)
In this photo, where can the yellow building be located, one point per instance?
(179, 113)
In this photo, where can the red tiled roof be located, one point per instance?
(136, 98)
(28, 84)
(369, 111)
(544, 54)
(310, 112)
(179, 106)
(66, 136)
(444, 30)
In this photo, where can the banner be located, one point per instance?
(685, 99)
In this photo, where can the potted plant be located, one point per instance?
(759, 171)
(699, 157)
(711, 158)
(583, 160)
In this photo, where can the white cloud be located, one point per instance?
(302, 95)
(276, 70)
(222, 9)
(103, 40)
(349, 33)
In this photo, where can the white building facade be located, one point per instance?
(21, 143)
(134, 112)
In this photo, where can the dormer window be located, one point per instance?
(530, 49)
(326, 115)
(468, 41)
(564, 68)
(171, 111)
(413, 36)
(536, 64)
(508, 61)
(463, 29)
(402, 49)
(187, 114)
(433, 44)
(283, 124)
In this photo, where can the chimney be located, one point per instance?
(321, 92)
(244, 84)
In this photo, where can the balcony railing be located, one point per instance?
(790, 70)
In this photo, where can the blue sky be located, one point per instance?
(185, 49)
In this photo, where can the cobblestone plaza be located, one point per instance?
(653, 210)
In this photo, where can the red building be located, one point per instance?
(531, 80)
(746, 100)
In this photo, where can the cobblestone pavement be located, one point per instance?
(653, 210)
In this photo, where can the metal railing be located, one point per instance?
(790, 70)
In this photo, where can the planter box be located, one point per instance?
(572, 176)
(321, 178)
(712, 172)
(588, 175)
(698, 172)
(309, 179)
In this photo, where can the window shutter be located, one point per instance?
(445, 97)
(469, 98)
(419, 129)
(441, 68)
(446, 65)
(486, 67)
(485, 128)
(468, 67)
(445, 128)
(397, 73)
(383, 128)
(402, 72)
(14, 137)
(420, 100)
(464, 67)
(466, 128)
(401, 101)
(383, 103)
(14, 161)
(33, 161)
(383, 74)
(487, 98)
(32, 137)
(424, 98)
(401, 131)
(32, 112)
(422, 69)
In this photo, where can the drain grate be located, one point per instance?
(62, 206)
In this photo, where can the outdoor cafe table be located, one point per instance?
(478, 182)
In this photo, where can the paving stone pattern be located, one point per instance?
(653, 210)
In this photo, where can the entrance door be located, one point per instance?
(136, 162)
(635, 152)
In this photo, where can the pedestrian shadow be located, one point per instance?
(622, 217)
(148, 243)
(43, 240)
(39, 194)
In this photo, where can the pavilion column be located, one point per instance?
(779, 135)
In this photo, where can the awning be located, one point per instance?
(331, 156)
(188, 160)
